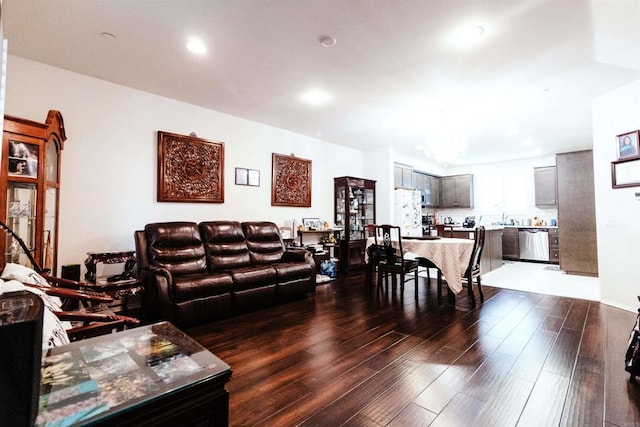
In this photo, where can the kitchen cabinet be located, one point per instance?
(431, 191)
(545, 186)
(417, 179)
(355, 209)
(456, 191)
(577, 213)
(554, 246)
(492, 251)
(510, 244)
(30, 188)
(402, 176)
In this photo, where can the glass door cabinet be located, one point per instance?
(30, 189)
(355, 209)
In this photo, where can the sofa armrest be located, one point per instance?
(157, 297)
(296, 255)
(302, 255)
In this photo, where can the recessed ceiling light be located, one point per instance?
(106, 35)
(316, 97)
(470, 34)
(327, 41)
(196, 46)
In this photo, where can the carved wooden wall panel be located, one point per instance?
(190, 169)
(290, 181)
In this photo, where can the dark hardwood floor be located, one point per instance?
(351, 355)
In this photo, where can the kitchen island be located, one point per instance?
(492, 251)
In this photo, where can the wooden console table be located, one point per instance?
(128, 258)
(151, 375)
(120, 287)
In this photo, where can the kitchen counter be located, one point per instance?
(486, 227)
(530, 226)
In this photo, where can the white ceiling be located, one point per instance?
(395, 73)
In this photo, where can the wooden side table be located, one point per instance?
(120, 287)
(95, 258)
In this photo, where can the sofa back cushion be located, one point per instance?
(225, 245)
(264, 242)
(176, 246)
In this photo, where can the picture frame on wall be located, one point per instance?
(190, 169)
(290, 181)
(625, 173)
(254, 178)
(242, 176)
(627, 144)
(250, 177)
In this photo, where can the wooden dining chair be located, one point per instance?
(388, 238)
(473, 270)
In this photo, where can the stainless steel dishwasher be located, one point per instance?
(534, 244)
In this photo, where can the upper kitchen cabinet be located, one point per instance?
(456, 191)
(402, 176)
(431, 192)
(545, 184)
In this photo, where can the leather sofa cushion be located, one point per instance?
(193, 286)
(253, 277)
(288, 271)
(264, 242)
(225, 245)
(176, 246)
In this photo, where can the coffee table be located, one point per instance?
(151, 375)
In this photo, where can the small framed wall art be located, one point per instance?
(250, 177)
(290, 181)
(190, 169)
(628, 145)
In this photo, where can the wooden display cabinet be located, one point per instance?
(30, 188)
(355, 209)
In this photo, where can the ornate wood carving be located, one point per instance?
(190, 169)
(290, 181)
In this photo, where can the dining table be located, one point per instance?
(450, 255)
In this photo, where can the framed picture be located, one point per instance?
(190, 169)
(625, 173)
(23, 159)
(311, 223)
(249, 177)
(254, 177)
(290, 181)
(242, 176)
(628, 145)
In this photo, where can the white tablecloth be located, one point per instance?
(451, 256)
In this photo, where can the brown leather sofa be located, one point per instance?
(193, 273)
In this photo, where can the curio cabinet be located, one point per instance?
(355, 209)
(30, 189)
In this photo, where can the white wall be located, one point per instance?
(109, 164)
(617, 210)
(377, 166)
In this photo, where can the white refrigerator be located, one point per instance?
(408, 212)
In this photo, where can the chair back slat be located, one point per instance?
(478, 245)
(388, 238)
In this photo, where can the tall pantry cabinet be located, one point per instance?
(30, 188)
(577, 213)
